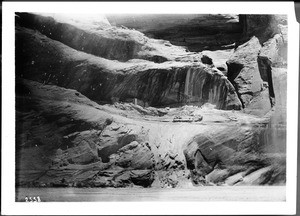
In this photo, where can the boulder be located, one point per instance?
(136, 156)
(111, 144)
(255, 178)
(119, 178)
(219, 58)
(217, 176)
(273, 50)
(206, 60)
(209, 154)
(243, 70)
(143, 178)
(234, 179)
(261, 103)
(172, 179)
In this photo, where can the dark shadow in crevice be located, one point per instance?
(234, 70)
(265, 70)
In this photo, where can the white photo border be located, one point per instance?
(10, 207)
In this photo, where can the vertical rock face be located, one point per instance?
(272, 62)
(275, 50)
(275, 134)
(280, 88)
(262, 26)
(272, 55)
(199, 87)
(243, 70)
(250, 66)
(188, 85)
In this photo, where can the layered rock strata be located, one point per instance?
(170, 83)
(65, 139)
(95, 105)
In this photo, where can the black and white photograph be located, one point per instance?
(153, 107)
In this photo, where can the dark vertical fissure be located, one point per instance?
(271, 88)
(265, 70)
(233, 71)
(243, 23)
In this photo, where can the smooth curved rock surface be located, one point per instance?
(110, 43)
(102, 80)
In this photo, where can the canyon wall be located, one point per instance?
(105, 106)
(103, 80)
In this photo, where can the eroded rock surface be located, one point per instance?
(195, 31)
(263, 26)
(110, 43)
(73, 141)
(103, 80)
(95, 104)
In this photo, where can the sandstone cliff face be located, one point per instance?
(108, 107)
(201, 32)
(263, 26)
(110, 43)
(243, 70)
(272, 55)
(82, 143)
(170, 83)
(250, 66)
(195, 31)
